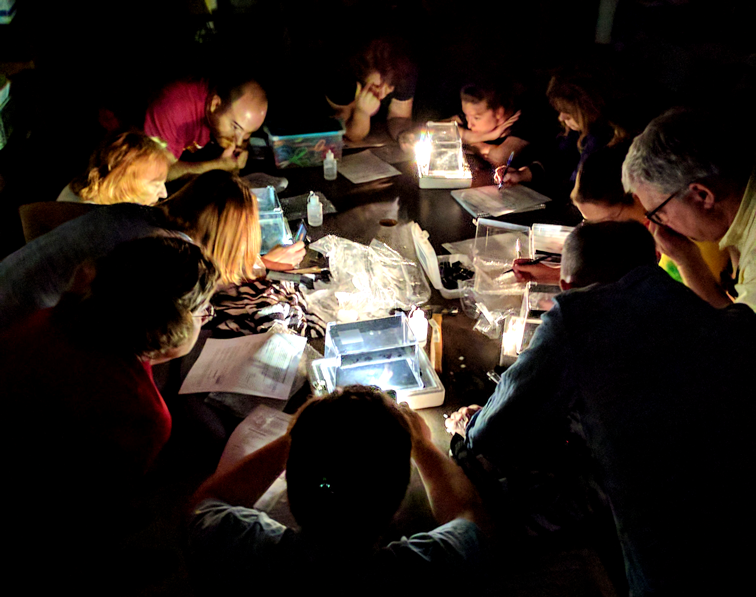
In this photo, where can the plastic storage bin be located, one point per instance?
(274, 228)
(497, 245)
(308, 147)
(440, 160)
(381, 352)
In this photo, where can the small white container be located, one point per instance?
(330, 166)
(314, 210)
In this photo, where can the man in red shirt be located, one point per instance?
(188, 115)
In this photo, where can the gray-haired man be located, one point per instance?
(694, 182)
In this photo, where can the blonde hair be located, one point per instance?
(115, 169)
(219, 211)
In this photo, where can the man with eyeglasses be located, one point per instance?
(693, 180)
(190, 115)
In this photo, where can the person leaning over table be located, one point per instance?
(587, 113)
(85, 418)
(600, 197)
(691, 173)
(378, 76)
(217, 210)
(188, 115)
(128, 167)
(662, 384)
(347, 461)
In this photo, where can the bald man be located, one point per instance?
(188, 115)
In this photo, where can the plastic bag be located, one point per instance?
(366, 282)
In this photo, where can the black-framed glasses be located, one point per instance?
(653, 214)
(206, 314)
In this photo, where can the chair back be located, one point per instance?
(39, 218)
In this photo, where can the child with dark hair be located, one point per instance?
(489, 120)
(347, 461)
(604, 252)
(378, 76)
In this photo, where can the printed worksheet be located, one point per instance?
(260, 365)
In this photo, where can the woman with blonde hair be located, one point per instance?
(216, 210)
(127, 168)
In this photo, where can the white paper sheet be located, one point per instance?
(365, 167)
(260, 427)
(260, 365)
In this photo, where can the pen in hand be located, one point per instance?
(506, 169)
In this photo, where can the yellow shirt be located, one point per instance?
(741, 236)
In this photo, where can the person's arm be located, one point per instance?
(399, 119)
(231, 160)
(246, 482)
(530, 405)
(356, 116)
(450, 492)
(695, 273)
(499, 154)
(283, 258)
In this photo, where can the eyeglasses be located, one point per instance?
(206, 314)
(653, 214)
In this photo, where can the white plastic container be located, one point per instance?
(430, 261)
(314, 210)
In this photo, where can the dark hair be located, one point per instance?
(141, 299)
(600, 177)
(349, 465)
(604, 252)
(499, 95)
(385, 56)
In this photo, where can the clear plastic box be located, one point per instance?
(440, 160)
(549, 238)
(381, 352)
(497, 245)
(274, 228)
(307, 147)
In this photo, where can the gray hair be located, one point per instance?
(677, 148)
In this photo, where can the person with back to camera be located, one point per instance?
(189, 115)
(347, 461)
(584, 109)
(217, 210)
(379, 75)
(88, 420)
(127, 168)
(698, 183)
(661, 383)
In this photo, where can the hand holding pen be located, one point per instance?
(499, 177)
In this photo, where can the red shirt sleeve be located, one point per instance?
(177, 117)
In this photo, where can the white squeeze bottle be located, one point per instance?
(314, 210)
(330, 166)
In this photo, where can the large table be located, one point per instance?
(467, 355)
